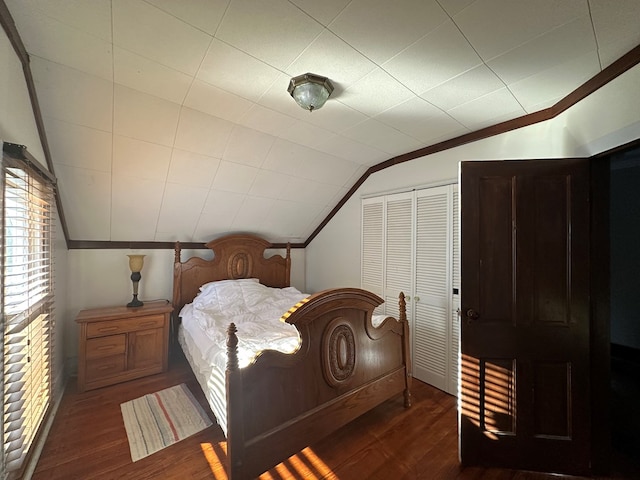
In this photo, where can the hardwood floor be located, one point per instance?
(88, 441)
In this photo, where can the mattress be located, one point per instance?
(210, 377)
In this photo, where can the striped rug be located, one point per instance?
(160, 419)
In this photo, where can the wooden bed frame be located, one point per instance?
(282, 403)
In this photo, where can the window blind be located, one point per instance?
(27, 309)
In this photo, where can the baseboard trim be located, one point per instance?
(42, 438)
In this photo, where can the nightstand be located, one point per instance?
(117, 344)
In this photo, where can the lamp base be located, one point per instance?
(135, 302)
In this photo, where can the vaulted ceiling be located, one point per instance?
(170, 120)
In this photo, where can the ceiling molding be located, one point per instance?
(9, 26)
(105, 245)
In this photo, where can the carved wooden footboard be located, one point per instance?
(344, 367)
(281, 403)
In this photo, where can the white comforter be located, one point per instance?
(256, 311)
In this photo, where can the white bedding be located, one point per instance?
(256, 311)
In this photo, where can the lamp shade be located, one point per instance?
(136, 262)
(310, 91)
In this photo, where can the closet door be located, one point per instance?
(399, 253)
(432, 294)
(372, 267)
(410, 244)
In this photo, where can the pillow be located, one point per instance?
(214, 285)
(235, 297)
(225, 296)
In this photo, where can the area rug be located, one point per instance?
(160, 419)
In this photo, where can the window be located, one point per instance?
(27, 306)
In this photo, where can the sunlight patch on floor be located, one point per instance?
(304, 465)
(216, 458)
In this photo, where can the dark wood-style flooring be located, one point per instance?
(88, 441)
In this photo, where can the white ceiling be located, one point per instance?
(170, 120)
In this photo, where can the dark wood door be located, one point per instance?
(525, 316)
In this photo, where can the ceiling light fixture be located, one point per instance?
(310, 91)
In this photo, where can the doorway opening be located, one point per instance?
(624, 235)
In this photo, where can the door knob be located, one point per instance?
(472, 314)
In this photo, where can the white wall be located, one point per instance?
(61, 273)
(609, 117)
(17, 123)
(604, 120)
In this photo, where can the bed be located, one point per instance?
(279, 403)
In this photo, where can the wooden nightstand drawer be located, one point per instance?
(113, 327)
(98, 368)
(106, 346)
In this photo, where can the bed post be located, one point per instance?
(177, 276)
(406, 351)
(235, 431)
(288, 267)
(177, 298)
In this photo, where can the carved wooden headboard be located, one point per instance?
(235, 256)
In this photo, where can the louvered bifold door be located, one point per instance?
(431, 332)
(454, 364)
(372, 271)
(399, 251)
